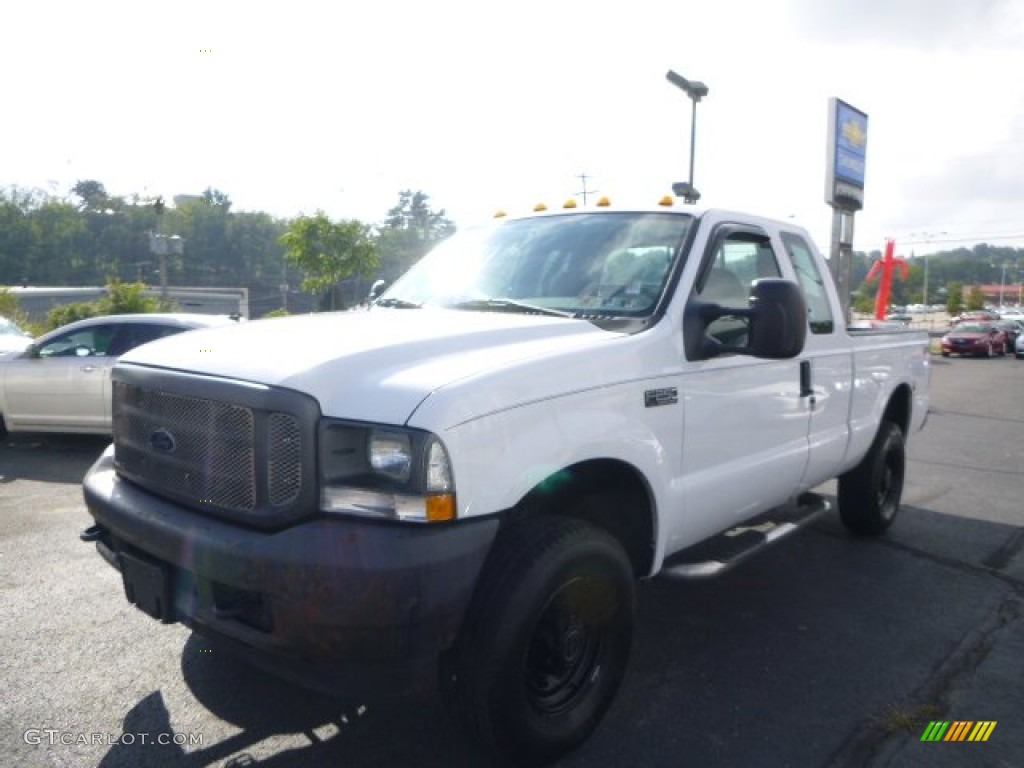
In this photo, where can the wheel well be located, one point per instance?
(898, 409)
(609, 494)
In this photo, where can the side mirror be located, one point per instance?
(778, 329)
(376, 290)
(776, 317)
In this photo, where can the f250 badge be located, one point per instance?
(655, 397)
(162, 441)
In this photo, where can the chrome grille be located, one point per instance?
(207, 453)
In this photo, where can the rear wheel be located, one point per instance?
(545, 643)
(869, 494)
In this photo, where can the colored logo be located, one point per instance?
(958, 730)
(854, 134)
(162, 441)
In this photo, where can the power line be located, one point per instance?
(970, 236)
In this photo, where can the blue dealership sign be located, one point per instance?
(851, 144)
(847, 157)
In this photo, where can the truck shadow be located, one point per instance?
(801, 656)
(283, 726)
(49, 458)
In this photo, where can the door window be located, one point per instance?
(739, 260)
(132, 335)
(83, 342)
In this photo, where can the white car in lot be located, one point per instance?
(1019, 347)
(61, 381)
(12, 338)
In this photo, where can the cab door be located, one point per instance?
(745, 427)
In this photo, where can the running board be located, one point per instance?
(721, 552)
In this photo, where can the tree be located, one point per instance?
(328, 252)
(411, 229)
(413, 214)
(216, 198)
(121, 299)
(16, 237)
(127, 298)
(94, 197)
(955, 299)
(70, 313)
(975, 298)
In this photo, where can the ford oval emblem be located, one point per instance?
(162, 441)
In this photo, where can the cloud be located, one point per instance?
(922, 24)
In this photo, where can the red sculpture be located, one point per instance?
(886, 266)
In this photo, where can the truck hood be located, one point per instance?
(376, 365)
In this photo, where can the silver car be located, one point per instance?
(61, 381)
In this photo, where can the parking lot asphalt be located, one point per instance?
(826, 650)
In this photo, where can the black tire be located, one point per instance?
(869, 494)
(545, 645)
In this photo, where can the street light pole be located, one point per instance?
(927, 243)
(696, 91)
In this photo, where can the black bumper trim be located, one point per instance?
(341, 593)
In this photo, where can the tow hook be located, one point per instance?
(101, 537)
(92, 533)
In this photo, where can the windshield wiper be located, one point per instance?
(510, 305)
(396, 303)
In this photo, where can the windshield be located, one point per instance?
(972, 328)
(589, 265)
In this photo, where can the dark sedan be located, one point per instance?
(978, 339)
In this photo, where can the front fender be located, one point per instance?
(499, 458)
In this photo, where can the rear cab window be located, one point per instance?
(819, 310)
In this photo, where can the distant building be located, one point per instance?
(37, 301)
(1007, 294)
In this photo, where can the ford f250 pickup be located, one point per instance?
(461, 486)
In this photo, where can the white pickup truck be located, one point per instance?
(461, 485)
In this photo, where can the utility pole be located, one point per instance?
(159, 207)
(160, 244)
(584, 192)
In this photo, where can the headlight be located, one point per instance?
(391, 454)
(385, 472)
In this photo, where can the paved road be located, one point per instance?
(824, 651)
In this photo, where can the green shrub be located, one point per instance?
(69, 313)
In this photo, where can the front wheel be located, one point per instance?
(869, 494)
(545, 643)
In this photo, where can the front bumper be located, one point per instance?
(340, 604)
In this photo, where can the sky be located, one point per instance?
(299, 106)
